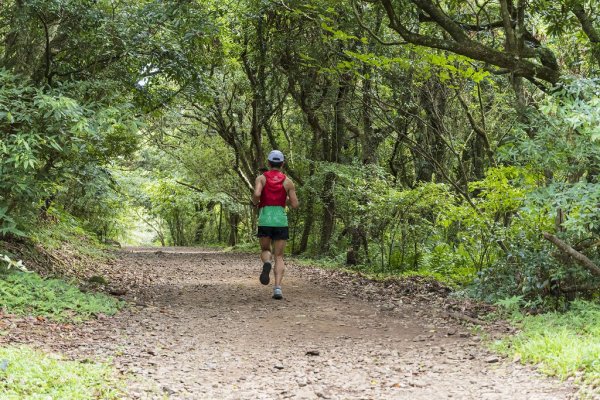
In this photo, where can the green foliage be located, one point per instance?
(64, 232)
(74, 86)
(561, 161)
(49, 141)
(175, 204)
(28, 293)
(561, 344)
(482, 222)
(567, 133)
(424, 61)
(31, 374)
(411, 228)
(510, 306)
(9, 225)
(407, 159)
(94, 203)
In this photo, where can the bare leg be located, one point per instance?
(265, 249)
(278, 248)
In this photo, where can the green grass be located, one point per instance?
(55, 236)
(251, 247)
(455, 277)
(561, 344)
(29, 294)
(30, 374)
(375, 272)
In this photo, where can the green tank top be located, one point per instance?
(273, 216)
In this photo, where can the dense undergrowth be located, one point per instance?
(59, 255)
(31, 374)
(63, 254)
(29, 294)
(561, 344)
(456, 278)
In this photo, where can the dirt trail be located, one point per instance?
(204, 328)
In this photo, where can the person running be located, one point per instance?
(272, 192)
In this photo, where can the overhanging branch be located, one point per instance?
(460, 43)
(579, 258)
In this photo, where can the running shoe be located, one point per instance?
(264, 276)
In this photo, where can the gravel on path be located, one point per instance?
(201, 326)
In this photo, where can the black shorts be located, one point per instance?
(274, 232)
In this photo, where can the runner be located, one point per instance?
(272, 191)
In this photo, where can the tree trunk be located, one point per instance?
(220, 223)
(357, 238)
(234, 221)
(432, 99)
(328, 216)
(580, 258)
(587, 25)
(309, 220)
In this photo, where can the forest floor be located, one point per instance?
(200, 326)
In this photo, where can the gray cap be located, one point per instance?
(276, 156)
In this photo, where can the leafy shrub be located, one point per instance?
(51, 140)
(562, 196)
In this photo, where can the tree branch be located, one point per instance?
(580, 258)
(373, 34)
(194, 188)
(463, 45)
(588, 27)
(479, 130)
(48, 52)
(442, 20)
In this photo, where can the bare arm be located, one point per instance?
(291, 192)
(259, 184)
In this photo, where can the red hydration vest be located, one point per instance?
(273, 194)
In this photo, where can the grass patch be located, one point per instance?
(30, 374)
(561, 344)
(454, 278)
(68, 235)
(59, 247)
(252, 247)
(376, 274)
(29, 294)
